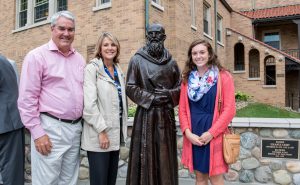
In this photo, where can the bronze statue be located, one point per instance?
(153, 83)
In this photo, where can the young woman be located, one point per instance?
(199, 117)
(104, 112)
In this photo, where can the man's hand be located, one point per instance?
(103, 140)
(43, 145)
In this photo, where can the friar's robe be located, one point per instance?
(153, 149)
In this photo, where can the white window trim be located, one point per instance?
(272, 31)
(158, 6)
(101, 6)
(221, 30)
(193, 14)
(238, 72)
(194, 27)
(208, 36)
(30, 15)
(209, 19)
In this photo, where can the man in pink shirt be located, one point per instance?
(51, 103)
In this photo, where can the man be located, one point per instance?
(11, 127)
(51, 104)
(153, 83)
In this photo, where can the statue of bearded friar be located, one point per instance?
(153, 83)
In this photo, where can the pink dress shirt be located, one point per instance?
(220, 123)
(50, 82)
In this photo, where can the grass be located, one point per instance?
(260, 110)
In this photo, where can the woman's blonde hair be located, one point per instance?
(99, 44)
(189, 64)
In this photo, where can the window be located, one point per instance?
(272, 39)
(254, 63)
(102, 4)
(270, 70)
(206, 19)
(157, 4)
(157, 1)
(31, 12)
(193, 13)
(41, 10)
(239, 58)
(219, 29)
(61, 5)
(22, 13)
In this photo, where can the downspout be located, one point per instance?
(146, 16)
(216, 34)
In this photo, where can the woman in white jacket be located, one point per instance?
(105, 111)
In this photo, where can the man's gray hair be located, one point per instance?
(65, 14)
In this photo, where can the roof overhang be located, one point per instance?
(276, 19)
(227, 6)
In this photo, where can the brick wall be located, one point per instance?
(125, 20)
(255, 87)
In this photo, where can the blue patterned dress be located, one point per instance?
(202, 113)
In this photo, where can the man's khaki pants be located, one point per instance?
(61, 166)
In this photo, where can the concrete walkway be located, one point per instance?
(181, 182)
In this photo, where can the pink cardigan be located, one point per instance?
(219, 125)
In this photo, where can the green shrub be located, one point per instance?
(131, 111)
(239, 96)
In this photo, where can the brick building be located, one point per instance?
(260, 49)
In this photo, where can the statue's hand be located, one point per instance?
(160, 100)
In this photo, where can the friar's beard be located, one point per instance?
(155, 49)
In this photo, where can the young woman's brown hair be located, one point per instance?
(189, 65)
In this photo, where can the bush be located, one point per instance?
(239, 96)
(131, 111)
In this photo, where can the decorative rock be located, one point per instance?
(179, 133)
(127, 143)
(83, 173)
(180, 165)
(83, 153)
(231, 175)
(236, 166)
(244, 153)
(256, 152)
(265, 161)
(275, 165)
(265, 132)
(295, 134)
(123, 171)
(121, 163)
(129, 131)
(240, 130)
(282, 177)
(280, 133)
(183, 173)
(124, 153)
(27, 176)
(250, 163)
(296, 178)
(27, 139)
(293, 166)
(247, 176)
(248, 140)
(179, 142)
(263, 174)
(85, 162)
